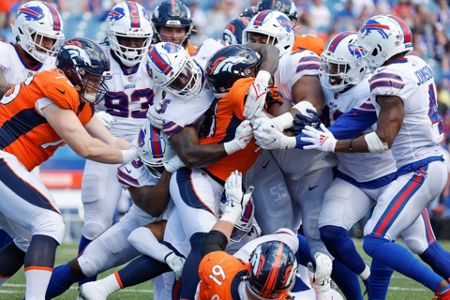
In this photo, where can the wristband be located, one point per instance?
(129, 154)
(231, 147)
(284, 121)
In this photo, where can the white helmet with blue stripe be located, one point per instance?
(170, 66)
(154, 146)
(38, 29)
(382, 37)
(130, 32)
(342, 63)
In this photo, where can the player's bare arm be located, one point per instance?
(192, 153)
(69, 128)
(96, 129)
(309, 88)
(152, 199)
(269, 56)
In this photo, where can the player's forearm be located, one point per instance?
(97, 150)
(152, 199)
(199, 156)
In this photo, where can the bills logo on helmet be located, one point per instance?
(171, 47)
(373, 25)
(225, 64)
(116, 14)
(141, 138)
(31, 13)
(285, 22)
(357, 52)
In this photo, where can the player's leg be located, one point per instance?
(421, 240)
(273, 204)
(196, 197)
(397, 208)
(344, 205)
(100, 192)
(28, 204)
(107, 251)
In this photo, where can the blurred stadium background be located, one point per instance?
(429, 20)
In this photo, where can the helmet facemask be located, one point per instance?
(41, 46)
(93, 87)
(129, 49)
(188, 81)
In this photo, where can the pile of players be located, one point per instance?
(226, 151)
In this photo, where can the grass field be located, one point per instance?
(401, 288)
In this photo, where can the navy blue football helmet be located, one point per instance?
(273, 269)
(228, 65)
(287, 7)
(172, 13)
(234, 30)
(249, 12)
(86, 66)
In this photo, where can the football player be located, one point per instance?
(403, 93)
(172, 22)
(38, 30)
(38, 116)
(149, 189)
(129, 95)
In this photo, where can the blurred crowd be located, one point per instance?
(428, 19)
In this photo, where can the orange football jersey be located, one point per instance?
(309, 42)
(220, 274)
(23, 131)
(191, 49)
(229, 114)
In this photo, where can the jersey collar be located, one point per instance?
(126, 70)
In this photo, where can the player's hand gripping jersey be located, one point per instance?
(24, 131)
(229, 113)
(220, 274)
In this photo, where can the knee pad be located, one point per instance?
(416, 244)
(87, 266)
(92, 230)
(49, 224)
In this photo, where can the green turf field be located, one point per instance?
(400, 288)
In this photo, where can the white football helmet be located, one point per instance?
(382, 37)
(36, 23)
(126, 21)
(154, 146)
(276, 26)
(342, 63)
(170, 66)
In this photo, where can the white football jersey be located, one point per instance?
(411, 79)
(13, 67)
(362, 167)
(179, 112)
(128, 97)
(136, 174)
(292, 67)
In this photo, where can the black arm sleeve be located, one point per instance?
(215, 241)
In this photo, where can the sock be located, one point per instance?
(346, 280)
(388, 253)
(341, 246)
(190, 269)
(61, 280)
(380, 276)
(144, 241)
(84, 242)
(111, 283)
(438, 259)
(444, 289)
(38, 264)
(11, 260)
(140, 270)
(5, 239)
(303, 254)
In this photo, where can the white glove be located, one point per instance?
(322, 140)
(269, 137)
(236, 200)
(256, 96)
(173, 164)
(106, 119)
(242, 137)
(155, 115)
(321, 276)
(176, 263)
(129, 154)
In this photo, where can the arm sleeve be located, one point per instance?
(215, 241)
(353, 123)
